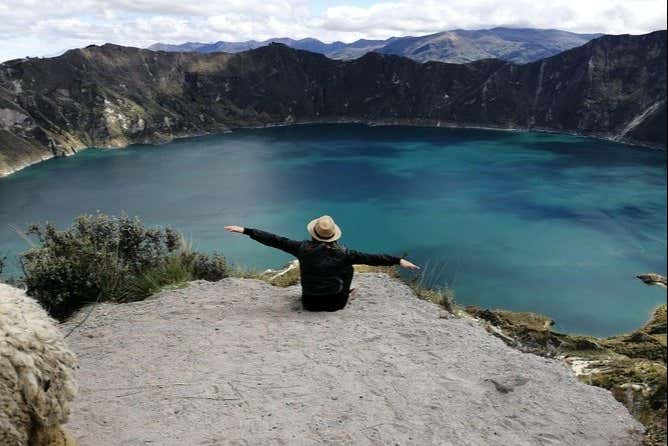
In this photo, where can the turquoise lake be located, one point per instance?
(524, 221)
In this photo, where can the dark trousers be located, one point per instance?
(325, 303)
(332, 302)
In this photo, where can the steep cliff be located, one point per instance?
(613, 87)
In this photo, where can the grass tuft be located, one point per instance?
(426, 285)
(284, 277)
(173, 273)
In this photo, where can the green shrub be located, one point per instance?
(172, 273)
(175, 271)
(108, 258)
(209, 267)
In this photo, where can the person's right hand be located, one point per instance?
(237, 229)
(408, 265)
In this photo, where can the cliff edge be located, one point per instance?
(239, 362)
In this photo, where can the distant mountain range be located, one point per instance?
(457, 46)
(612, 87)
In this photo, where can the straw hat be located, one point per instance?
(324, 229)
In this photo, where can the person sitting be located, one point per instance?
(326, 266)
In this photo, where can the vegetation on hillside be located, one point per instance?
(106, 258)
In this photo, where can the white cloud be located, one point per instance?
(410, 16)
(44, 27)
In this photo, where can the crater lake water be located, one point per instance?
(525, 221)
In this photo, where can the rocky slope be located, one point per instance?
(613, 87)
(238, 362)
(631, 366)
(519, 45)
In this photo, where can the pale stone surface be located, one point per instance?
(238, 362)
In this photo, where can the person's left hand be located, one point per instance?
(237, 229)
(408, 265)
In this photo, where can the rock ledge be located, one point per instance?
(239, 362)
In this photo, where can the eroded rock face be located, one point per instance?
(239, 362)
(612, 87)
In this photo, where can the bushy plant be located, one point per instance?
(175, 271)
(211, 267)
(107, 258)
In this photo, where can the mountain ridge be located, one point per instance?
(519, 45)
(110, 96)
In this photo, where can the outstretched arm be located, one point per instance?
(267, 238)
(360, 258)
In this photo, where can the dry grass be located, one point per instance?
(426, 285)
(284, 277)
(391, 271)
(443, 297)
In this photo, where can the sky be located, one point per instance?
(48, 27)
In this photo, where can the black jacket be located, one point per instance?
(325, 269)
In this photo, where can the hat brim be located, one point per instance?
(310, 227)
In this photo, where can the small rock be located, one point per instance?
(508, 385)
(500, 387)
